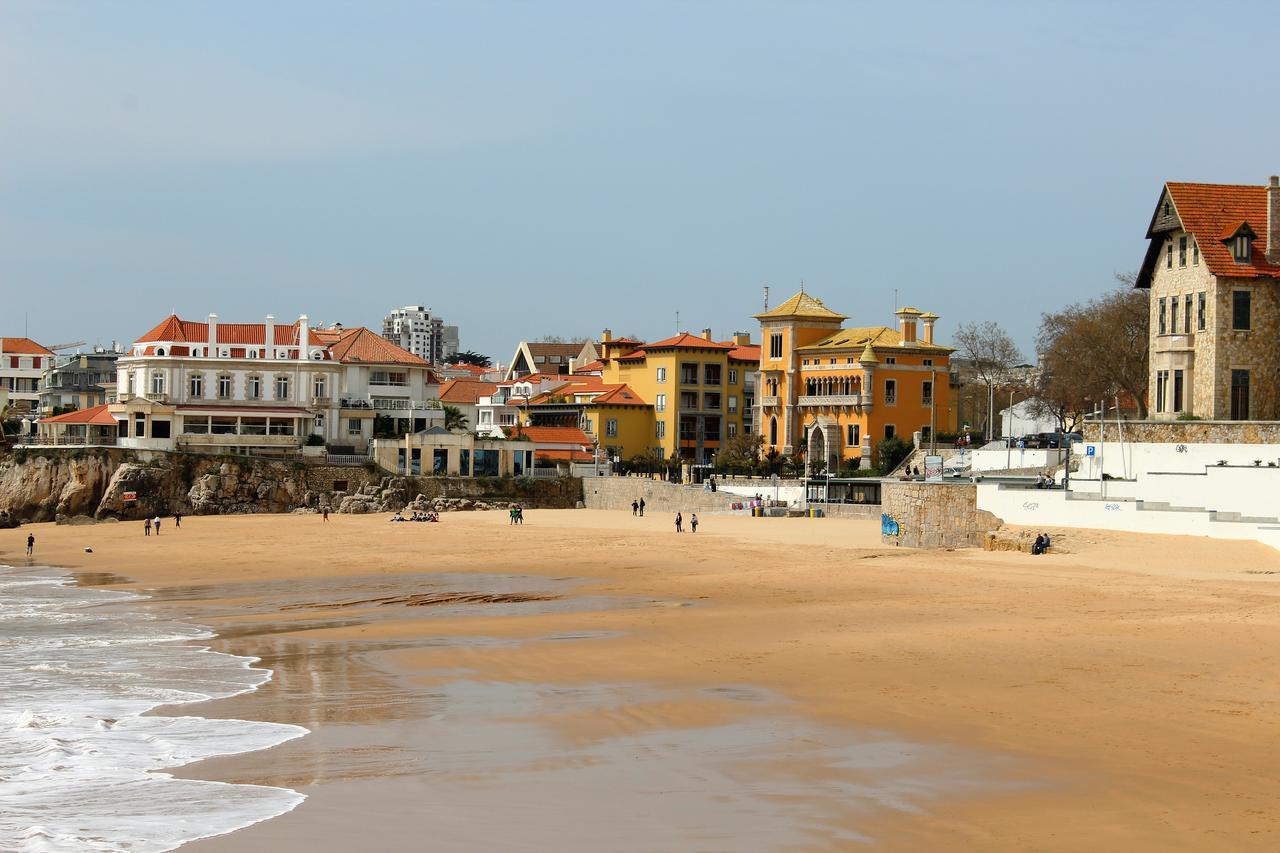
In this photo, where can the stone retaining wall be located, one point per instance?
(849, 510)
(935, 515)
(659, 496)
(1188, 432)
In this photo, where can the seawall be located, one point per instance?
(619, 492)
(933, 515)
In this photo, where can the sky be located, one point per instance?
(554, 168)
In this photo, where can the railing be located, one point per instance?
(347, 459)
(835, 399)
(768, 402)
(65, 441)
(157, 396)
(387, 404)
(543, 473)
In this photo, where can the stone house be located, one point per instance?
(1212, 266)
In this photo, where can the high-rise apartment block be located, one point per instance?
(413, 328)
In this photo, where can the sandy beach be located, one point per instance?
(592, 680)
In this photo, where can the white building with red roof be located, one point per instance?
(22, 361)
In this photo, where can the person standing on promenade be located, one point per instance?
(635, 507)
(146, 527)
(642, 507)
(693, 522)
(679, 523)
(31, 543)
(157, 523)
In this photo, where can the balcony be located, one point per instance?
(836, 400)
(387, 404)
(157, 396)
(768, 402)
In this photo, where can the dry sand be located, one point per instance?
(745, 679)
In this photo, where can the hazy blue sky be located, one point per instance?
(531, 168)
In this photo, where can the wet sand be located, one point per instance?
(594, 681)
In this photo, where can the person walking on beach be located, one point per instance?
(157, 523)
(642, 507)
(693, 523)
(679, 523)
(635, 507)
(31, 543)
(324, 513)
(519, 514)
(512, 513)
(146, 527)
(177, 520)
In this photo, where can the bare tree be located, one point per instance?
(990, 353)
(1093, 351)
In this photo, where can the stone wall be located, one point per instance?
(1188, 432)
(935, 515)
(619, 492)
(849, 510)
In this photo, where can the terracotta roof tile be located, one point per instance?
(619, 395)
(749, 352)
(362, 346)
(97, 415)
(464, 390)
(174, 329)
(801, 305)
(1213, 213)
(22, 346)
(684, 340)
(555, 435)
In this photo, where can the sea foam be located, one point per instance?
(79, 762)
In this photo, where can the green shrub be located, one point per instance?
(890, 452)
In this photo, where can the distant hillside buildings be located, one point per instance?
(414, 329)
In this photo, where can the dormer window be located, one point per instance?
(1241, 247)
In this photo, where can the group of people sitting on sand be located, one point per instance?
(432, 515)
(1041, 544)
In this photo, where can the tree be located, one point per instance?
(1092, 351)
(740, 452)
(890, 452)
(474, 358)
(454, 419)
(990, 352)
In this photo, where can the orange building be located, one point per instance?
(844, 389)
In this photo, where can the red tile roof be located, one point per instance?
(748, 352)
(465, 390)
(587, 368)
(544, 348)
(684, 340)
(554, 435)
(564, 454)
(22, 346)
(1213, 213)
(362, 346)
(474, 369)
(97, 415)
(619, 395)
(172, 328)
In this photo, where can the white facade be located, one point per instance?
(414, 329)
(22, 363)
(501, 410)
(1023, 419)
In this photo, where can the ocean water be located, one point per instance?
(81, 766)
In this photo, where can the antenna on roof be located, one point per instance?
(802, 285)
(895, 300)
(677, 322)
(766, 297)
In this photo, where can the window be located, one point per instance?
(1239, 395)
(1241, 248)
(196, 385)
(733, 405)
(157, 382)
(224, 387)
(160, 429)
(928, 362)
(689, 399)
(890, 430)
(254, 388)
(805, 362)
(775, 345)
(1162, 385)
(890, 392)
(320, 387)
(733, 376)
(732, 430)
(282, 387)
(853, 435)
(319, 424)
(711, 402)
(711, 374)
(660, 403)
(1240, 310)
(1177, 390)
(611, 428)
(662, 374)
(1160, 316)
(1167, 209)
(891, 360)
(1173, 314)
(660, 429)
(926, 393)
(773, 431)
(1186, 314)
(1195, 253)
(1182, 251)
(688, 374)
(353, 426)
(1168, 255)
(1200, 300)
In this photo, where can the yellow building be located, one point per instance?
(699, 393)
(842, 390)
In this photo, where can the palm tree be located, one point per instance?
(454, 419)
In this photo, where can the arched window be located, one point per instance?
(773, 430)
(159, 350)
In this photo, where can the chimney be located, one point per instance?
(926, 327)
(304, 337)
(1273, 221)
(907, 325)
(706, 334)
(269, 336)
(213, 335)
(742, 339)
(606, 336)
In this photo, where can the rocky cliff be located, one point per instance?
(53, 484)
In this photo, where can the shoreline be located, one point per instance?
(1063, 663)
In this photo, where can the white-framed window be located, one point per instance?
(732, 430)
(254, 388)
(486, 416)
(775, 345)
(353, 426)
(320, 386)
(282, 387)
(195, 385)
(157, 382)
(733, 376)
(660, 429)
(319, 423)
(660, 402)
(224, 387)
(853, 437)
(733, 405)
(926, 393)
(611, 428)
(662, 374)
